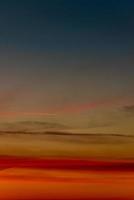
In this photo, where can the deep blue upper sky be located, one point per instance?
(54, 24)
(54, 53)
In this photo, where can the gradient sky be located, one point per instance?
(69, 62)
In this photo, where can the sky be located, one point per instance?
(68, 62)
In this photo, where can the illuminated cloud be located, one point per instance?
(129, 109)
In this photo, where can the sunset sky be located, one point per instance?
(68, 63)
(66, 99)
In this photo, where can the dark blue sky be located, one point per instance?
(57, 53)
(66, 24)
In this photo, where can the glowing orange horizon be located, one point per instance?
(25, 179)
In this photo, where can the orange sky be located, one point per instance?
(30, 184)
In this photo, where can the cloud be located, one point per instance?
(67, 137)
(129, 109)
(93, 105)
(30, 126)
(96, 124)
